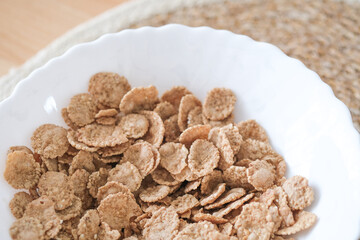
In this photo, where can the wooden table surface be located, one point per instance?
(27, 26)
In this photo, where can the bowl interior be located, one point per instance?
(305, 122)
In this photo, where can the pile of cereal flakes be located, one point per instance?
(133, 166)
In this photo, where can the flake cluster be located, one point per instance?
(133, 165)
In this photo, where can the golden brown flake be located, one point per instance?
(210, 181)
(111, 112)
(153, 194)
(156, 131)
(165, 110)
(117, 209)
(72, 137)
(96, 180)
(19, 148)
(82, 109)
(190, 186)
(174, 95)
(112, 187)
(261, 175)
(234, 205)
(163, 224)
(27, 228)
(51, 164)
(72, 211)
(184, 203)
(208, 217)
(251, 129)
(230, 196)
(108, 88)
(134, 125)
(299, 193)
(236, 176)
(80, 180)
(89, 225)
(140, 98)
(83, 160)
(141, 156)
(67, 120)
(220, 123)
(127, 174)
(105, 232)
(234, 137)
(116, 150)
(50, 141)
(107, 121)
(253, 149)
(215, 194)
(256, 220)
(189, 135)
(219, 104)
(162, 176)
(19, 202)
(21, 171)
(172, 131)
(203, 157)
(173, 157)
(303, 220)
(218, 137)
(43, 210)
(58, 187)
(200, 230)
(187, 103)
(101, 136)
(195, 117)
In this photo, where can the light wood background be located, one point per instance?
(26, 26)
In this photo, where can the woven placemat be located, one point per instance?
(324, 34)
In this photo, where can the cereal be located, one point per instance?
(261, 175)
(141, 156)
(220, 123)
(43, 210)
(108, 88)
(195, 117)
(117, 209)
(50, 141)
(251, 129)
(234, 137)
(162, 176)
(304, 220)
(218, 137)
(140, 98)
(215, 194)
(27, 228)
(89, 225)
(163, 224)
(210, 181)
(133, 167)
(134, 125)
(127, 174)
(203, 157)
(96, 180)
(187, 103)
(172, 131)
(165, 110)
(236, 176)
(105, 232)
(153, 194)
(173, 157)
(156, 131)
(189, 135)
(174, 95)
(82, 109)
(82, 160)
(184, 203)
(21, 170)
(111, 112)
(254, 220)
(230, 196)
(208, 217)
(116, 150)
(101, 136)
(58, 187)
(193, 185)
(74, 142)
(112, 188)
(219, 104)
(232, 206)
(299, 193)
(79, 180)
(19, 202)
(72, 211)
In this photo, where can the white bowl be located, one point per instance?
(306, 123)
